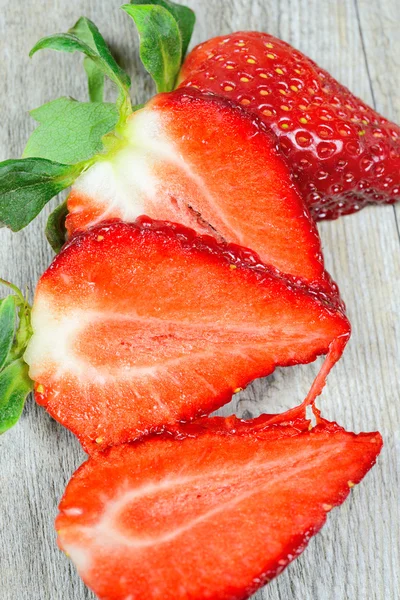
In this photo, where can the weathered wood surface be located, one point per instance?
(357, 554)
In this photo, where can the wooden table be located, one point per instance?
(356, 557)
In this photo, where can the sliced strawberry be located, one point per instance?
(215, 511)
(137, 326)
(343, 154)
(199, 161)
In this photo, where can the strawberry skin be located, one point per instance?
(139, 325)
(215, 510)
(343, 154)
(200, 161)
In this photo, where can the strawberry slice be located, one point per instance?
(343, 154)
(215, 511)
(197, 160)
(139, 325)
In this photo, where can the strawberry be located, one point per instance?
(202, 162)
(139, 325)
(213, 511)
(343, 154)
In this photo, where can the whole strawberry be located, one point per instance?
(343, 154)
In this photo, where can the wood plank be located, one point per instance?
(355, 555)
(379, 24)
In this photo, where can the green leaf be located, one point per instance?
(183, 15)
(55, 228)
(26, 185)
(8, 321)
(24, 329)
(160, 43)
(95, 80)
(64, 42)
(86, 30)
(15, 385)
(94, 74)
(70, 131)
(85, 37)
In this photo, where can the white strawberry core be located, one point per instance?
(86, 343)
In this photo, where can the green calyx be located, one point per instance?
(15, 332)
(85, 37)
(71, 135)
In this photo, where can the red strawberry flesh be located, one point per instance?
(198, 160)
(343, 154)
(214, 511)
(139, 325)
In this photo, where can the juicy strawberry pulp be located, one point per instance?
(215, 511)
(202, 162)
(137, 326)
(343, 154)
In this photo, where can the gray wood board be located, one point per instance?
(357, 553)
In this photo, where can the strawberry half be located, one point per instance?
(137, 326)
(198, 160)
(215, 511)
(343, 154)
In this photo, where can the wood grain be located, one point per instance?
(357, 553)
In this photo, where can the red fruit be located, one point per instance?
(197, 160)
(343, 154)
(137, 326)
(215, 511)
